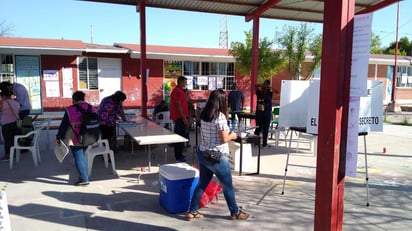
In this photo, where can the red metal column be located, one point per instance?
(255, 62)
(142, 10)
(334, 101)
(395, 67)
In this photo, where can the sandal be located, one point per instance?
(191, 216)
(240, 216)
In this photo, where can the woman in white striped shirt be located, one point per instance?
(212, 155)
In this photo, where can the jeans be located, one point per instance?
(109, 133)
(223, 173)
(80, 162)
(263, 122)
(183, 130)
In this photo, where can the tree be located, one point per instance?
(5, 29)
(295, 40)
(404, 47)
(315, 48)
(270, 61)
(375, 44)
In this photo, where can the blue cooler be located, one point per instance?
(177, 184)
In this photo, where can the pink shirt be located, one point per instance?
(10, 111)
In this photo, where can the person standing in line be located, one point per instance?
(9, 109)
(109, 109)
(263, 111)
(179, 113)
(236, 99)
(69, 127)
(21, 95)
(215, 135)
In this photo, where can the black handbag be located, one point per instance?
(213, 156)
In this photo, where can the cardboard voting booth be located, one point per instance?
(234, 156)
(299, 106)
(299, 109)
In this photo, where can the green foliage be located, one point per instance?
(295, 40)
(270, 61)
(404, 47)
(315, 48)
(376, 44)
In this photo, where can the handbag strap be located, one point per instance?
(12, 109)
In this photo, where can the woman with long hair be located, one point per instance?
(212, 155)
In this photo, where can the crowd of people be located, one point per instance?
(214, 130)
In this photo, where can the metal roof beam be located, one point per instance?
(378, 6)
(260, 10)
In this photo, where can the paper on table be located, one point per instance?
(61, 151)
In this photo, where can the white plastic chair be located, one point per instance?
(33, 148)
(163, 119)
(45, 124)
(101, 147)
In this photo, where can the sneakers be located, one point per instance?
(240, 216)
(192, 216)
(81, 183)
(182, 158)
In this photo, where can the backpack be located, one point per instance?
(89, 129)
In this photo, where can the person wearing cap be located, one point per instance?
(263, 110)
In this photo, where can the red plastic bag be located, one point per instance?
(210, 195)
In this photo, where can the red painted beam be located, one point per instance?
(261, 9)
(255, 62)
(333, 101)
(143, 61)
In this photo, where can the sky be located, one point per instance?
(106, 24)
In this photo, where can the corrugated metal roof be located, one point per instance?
(299, 10)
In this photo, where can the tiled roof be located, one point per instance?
(176, 50)
(45, 43)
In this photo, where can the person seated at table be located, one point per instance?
(160, 108)
(109, 109)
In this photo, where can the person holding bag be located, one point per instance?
(212, 156)
(69, 127)
(9, 111)
(263, 111)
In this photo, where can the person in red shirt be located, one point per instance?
(179, 113)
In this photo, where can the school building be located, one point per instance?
(52, 69)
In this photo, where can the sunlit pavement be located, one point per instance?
(44, 198)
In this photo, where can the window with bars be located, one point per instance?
(88, 78)
(404, 76)
(210, 75)
(6, 68)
